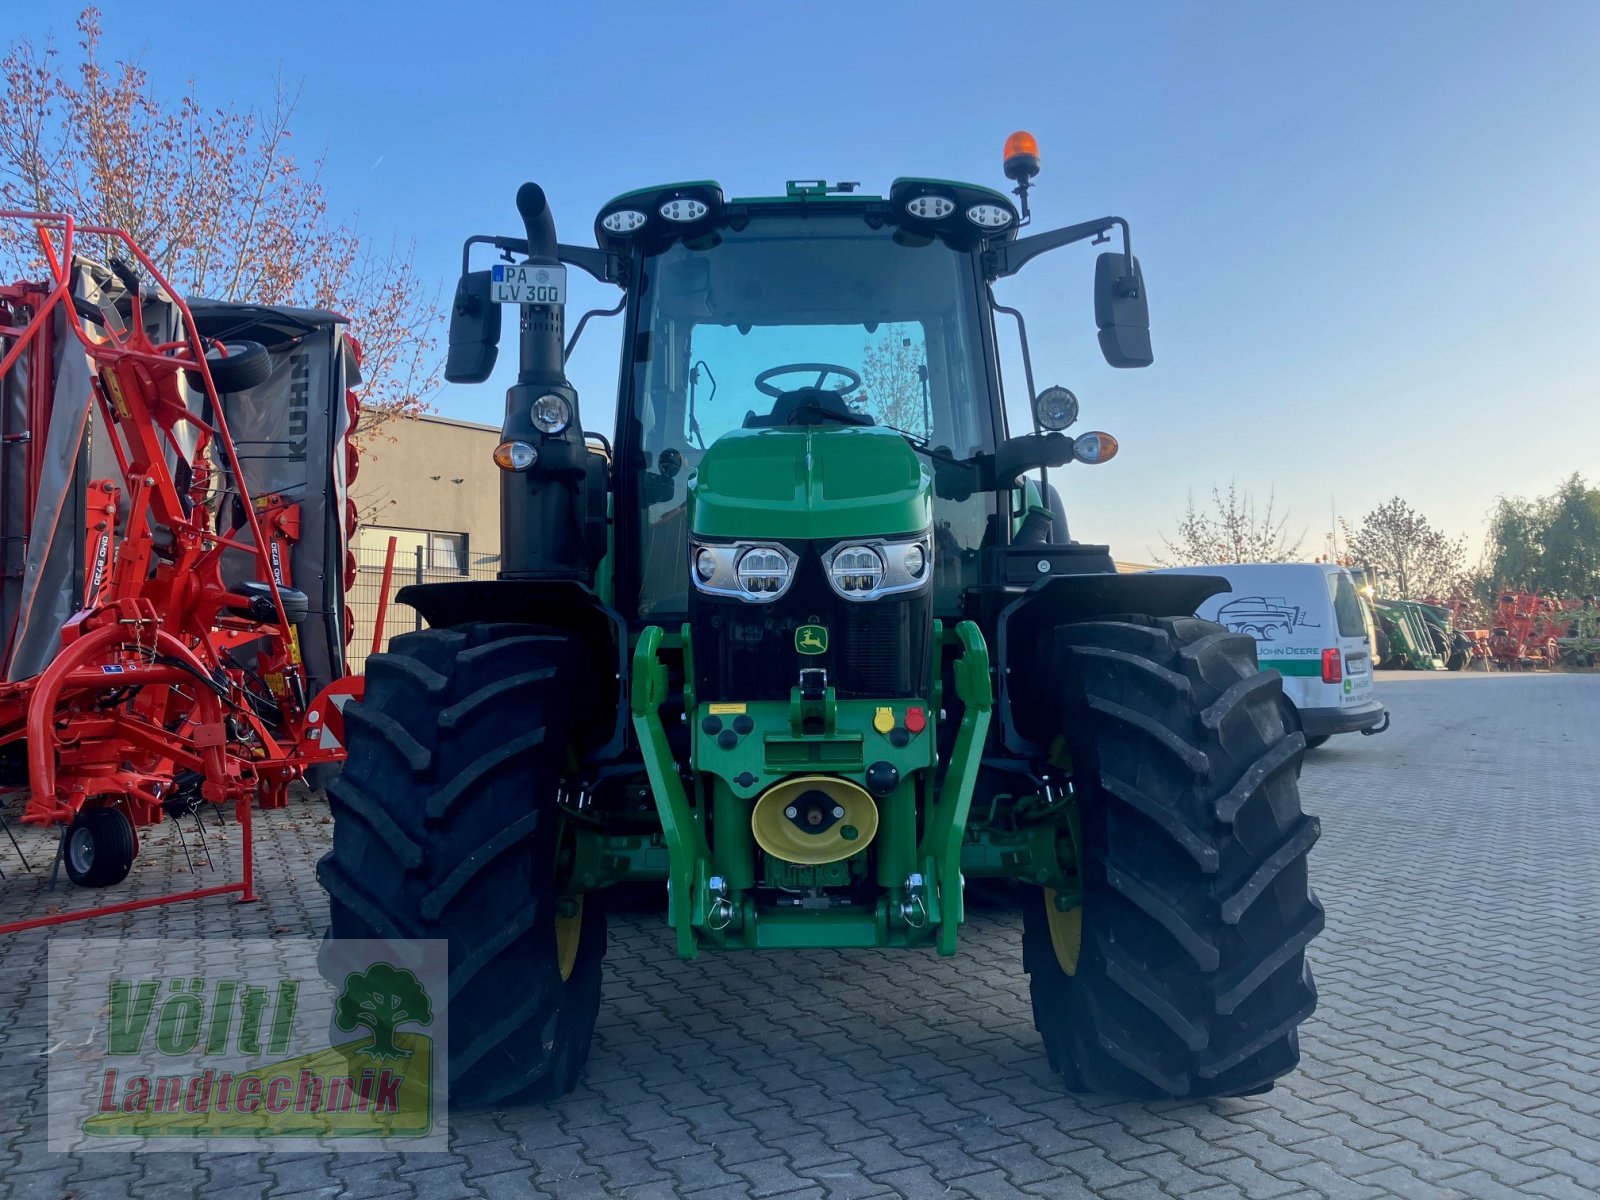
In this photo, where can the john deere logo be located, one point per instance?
(811, 639)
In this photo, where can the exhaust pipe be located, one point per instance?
(543, 360)
(545, 511)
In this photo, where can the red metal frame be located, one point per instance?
(383, 595)
(148, 687)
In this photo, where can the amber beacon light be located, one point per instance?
(1022, 164)
(1022, 156)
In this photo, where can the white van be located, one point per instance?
(1309, 626)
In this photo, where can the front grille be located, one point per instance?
(880, 648)
(877, 648)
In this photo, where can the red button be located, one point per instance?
(916, 722)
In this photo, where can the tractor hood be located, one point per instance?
(813, 482)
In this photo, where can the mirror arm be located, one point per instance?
(1016, 456)
(604, 267)
(508, 245)
(607, 268)
(593, 312)
(1009, 258)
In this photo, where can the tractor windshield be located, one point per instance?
(887, 322)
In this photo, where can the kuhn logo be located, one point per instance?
(299, 405)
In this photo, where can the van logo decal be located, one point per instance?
(1264, 618)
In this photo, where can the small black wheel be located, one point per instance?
(1320, 739)
(244, 365)
(99, 848)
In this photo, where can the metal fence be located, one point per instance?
(367, 599)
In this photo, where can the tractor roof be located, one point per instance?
(644, 211)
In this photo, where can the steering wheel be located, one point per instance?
(823, 370)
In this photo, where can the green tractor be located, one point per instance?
(811, 643)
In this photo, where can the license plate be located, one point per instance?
(528, 283)
(1359, 666)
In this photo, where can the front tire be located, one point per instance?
(1183, 972)
(446, 827)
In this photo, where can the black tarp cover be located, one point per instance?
(290, 434)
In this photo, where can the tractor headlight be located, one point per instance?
(1055, 408)
(684, 209)
(868, 570)
(624, 220)
(763, 571)
(989, 216)
(856, 569)
(758, 572)
(930, 207)
(551, 413)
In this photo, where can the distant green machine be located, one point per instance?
(811, 643)
(1412, 635)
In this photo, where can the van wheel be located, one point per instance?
(1320, 740)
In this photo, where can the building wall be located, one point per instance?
(430, 484)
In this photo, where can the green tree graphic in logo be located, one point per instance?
(381, 999)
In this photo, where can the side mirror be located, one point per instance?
(1122, 311)
(474, 331)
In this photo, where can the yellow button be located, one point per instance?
(884, 720)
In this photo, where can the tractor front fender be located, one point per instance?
(1026, 625)
(562, 604)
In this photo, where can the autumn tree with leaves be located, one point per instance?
(213, 195)
(1230, 530)
(1416, 561)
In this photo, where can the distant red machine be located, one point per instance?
(1526, 628)
(180, 681)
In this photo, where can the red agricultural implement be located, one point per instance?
(1526, 630)
(179, 681)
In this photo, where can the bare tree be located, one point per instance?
(214, 196)
(1230, 530)
(1416, 560)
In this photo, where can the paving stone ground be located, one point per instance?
(1455, 1053)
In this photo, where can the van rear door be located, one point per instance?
(1355, 650)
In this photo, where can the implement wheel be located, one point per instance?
(446, 827)
(98, 848)
(1183, 972)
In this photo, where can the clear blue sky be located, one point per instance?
(1371, 231)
